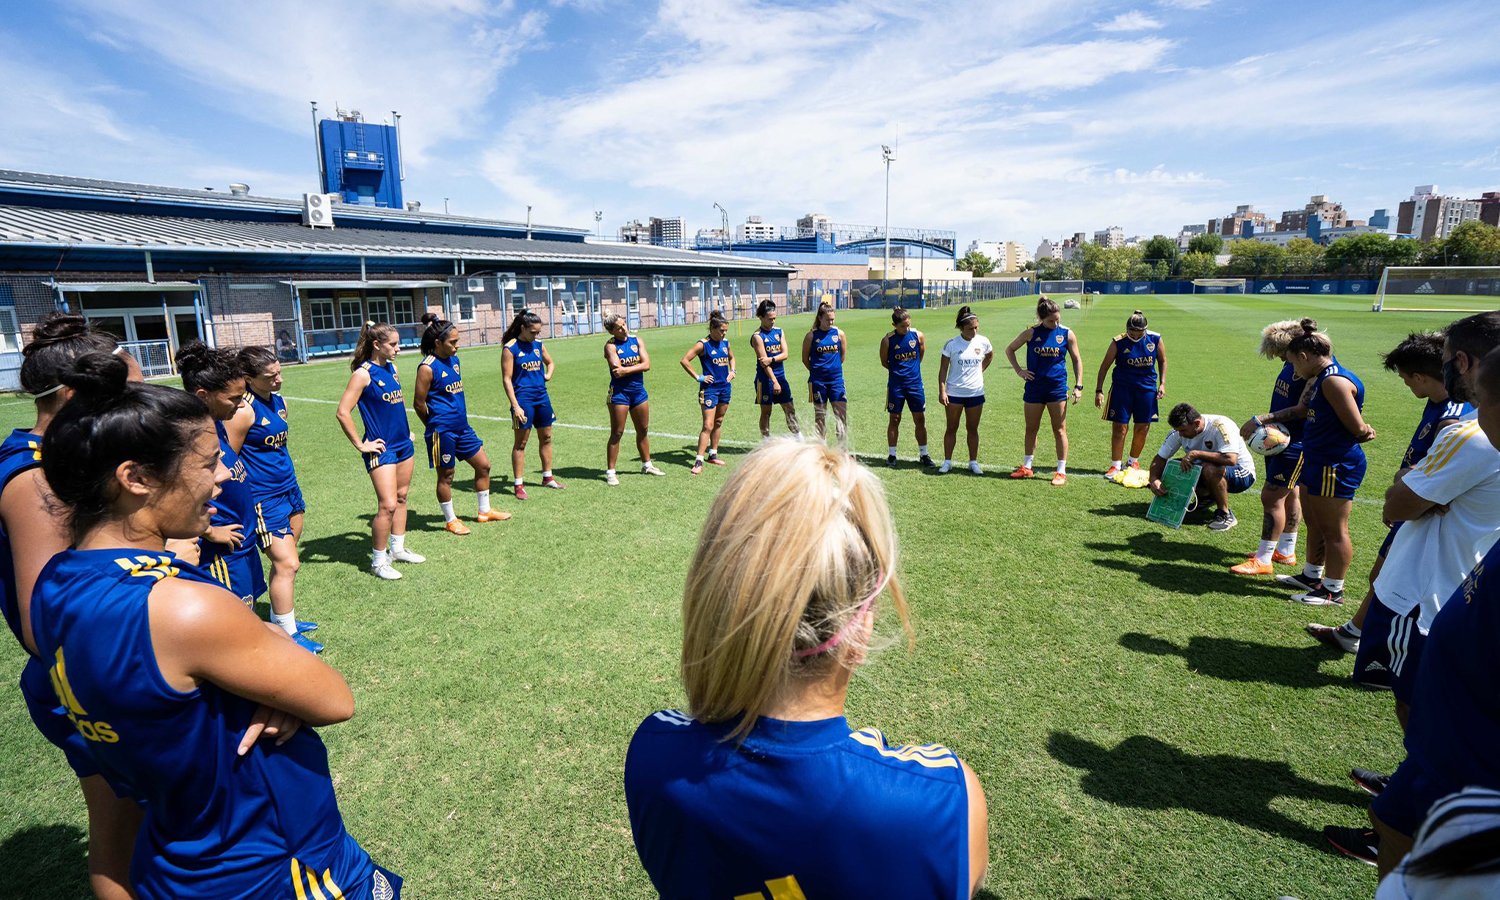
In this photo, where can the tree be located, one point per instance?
(1304, 256)
(1195, 264)
(1252, 257)
(1211, 244)
(1051, 269)
(977, 263)
(1160, 249)
(1472, 244)
(1367, 254)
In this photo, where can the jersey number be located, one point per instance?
(781, 889)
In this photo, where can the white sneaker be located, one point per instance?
(611, 478)
(946, 467)
(407, 556)
(974, 467)
(651, 469)
(386, 572)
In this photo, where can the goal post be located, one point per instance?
(1449, 289)
(1218, 285)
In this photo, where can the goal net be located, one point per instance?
(1454, 289)
(1218, 285)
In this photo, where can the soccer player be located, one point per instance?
(31, 532)
(258, 433)
(386, 443)
(1212, 443)
(1333, 463)
(961, 385)
(1046, 377)
(823, 352)
(527, 367)
(1419, 361)
(1281, 507)
(772, 388)
(628, 362)
(901, 353)
(717, 359)
(438, 399)
(172, 681)
(762, 781)
(1139, 358)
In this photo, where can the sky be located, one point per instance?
(1011, 119)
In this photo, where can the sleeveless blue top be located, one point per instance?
(382, 407)
(265, 453)
(217, 824)
(1136, 361)
(812, 809)
(447, 410)
(20, 452)
(1325, 436)
(714, 357)
(903, 352)
(629, 353)
(235, 504)
(1286, 394)
(774, 343)
(529, 374)
(1047, 355)
(827, 365)
(1426, 433)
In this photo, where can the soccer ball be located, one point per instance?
(1270, 439)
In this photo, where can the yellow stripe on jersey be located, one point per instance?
(333, 889)
(297, 879)
(932, 756)
(1449, 446)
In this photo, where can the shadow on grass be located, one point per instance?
(1233, 660)
(353, 547)
(1145, 773)
(46, 861)
(1191, 579)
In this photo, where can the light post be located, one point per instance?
(598, 228)
(724, 231)
(889, 156)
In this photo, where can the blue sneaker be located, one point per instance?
(305, 627)
(310, 646)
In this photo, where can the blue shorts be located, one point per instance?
(712, 395)
(1384, 647)
(1412, 790)
(273, 515)
(772, 391)
(240, 572)
(1338, 478)
(1126, 404)
(51, 718)
(1039, 391)
(899, 394)
(1283, 469)
(1239, 480)
(446, 448)
(383, 885)
(630, 395)
(1390, 538)
(390, 456)
(538, 412)
(966, 402)
(826, 391)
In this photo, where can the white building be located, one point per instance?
(711, 237)
(635, 232)
(1110, 238)
(1049, 249)
(1188, 232)
(667, 232)
(814, 223)
(756, 230)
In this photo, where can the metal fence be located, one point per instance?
(155, 357)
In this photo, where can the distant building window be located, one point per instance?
(518, 299)
(350, 315)
(405, 312)
(322, 314)
(10, 330)
(380, 309)
(464, 310)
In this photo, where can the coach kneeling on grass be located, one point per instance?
(1212, 443)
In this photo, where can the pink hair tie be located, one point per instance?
(842, 633)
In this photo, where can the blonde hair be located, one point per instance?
(1277, 336)
(796, 541)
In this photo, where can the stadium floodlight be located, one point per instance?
(1218, 285)
(889, 155)
(1449, 289)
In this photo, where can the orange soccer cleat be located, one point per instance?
(493, 515)
(456, 527)
(1253, 566)
(1022, 472)
(1111, 472)
(1284, 559)
(1059, 479)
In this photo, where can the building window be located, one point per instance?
(349, 314)
(518, 299)
(463, 311)
(405, 312)
(10, 330)
(379, 309)
(322, 314)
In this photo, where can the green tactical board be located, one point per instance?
(1172, 509)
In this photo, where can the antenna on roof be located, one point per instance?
(318, 146)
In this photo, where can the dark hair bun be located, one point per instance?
(429, 317)
(98, 376)
(1138, 313)
(1309, 326)
(56, 327)
(193, 355)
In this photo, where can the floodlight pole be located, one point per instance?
(724, 232)
(887, 154)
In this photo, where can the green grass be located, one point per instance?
(1145, 724)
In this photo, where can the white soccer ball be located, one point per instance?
(1270, 439)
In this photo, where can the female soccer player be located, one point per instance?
(628, 362)
(1046, 377)
(258, 433)
(823, 352)
(961, 385)
(31, 532)
(762, 780)
(1333, 463)
(386, 444)
(717, 359)
(439, 402)
(527, 367)
(901, 353)
(1139, 358)
(771, 385)
(163, 671)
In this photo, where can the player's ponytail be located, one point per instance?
(766, 306)
(716, 319)
(1137, 321)
(57, 342)
(524, 319)
(1310, 341)
(1045, 307)
(899, 315)
(823, 307)
(437, 329)
(964, 313)
(364, 349)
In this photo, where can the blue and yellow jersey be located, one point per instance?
(713, 356)
(447, 410)
(629, 353)
(1427, 430)
(1136, 361)
(1286, 394)
(1325, 436)
(382, 406)
(1047, 354)
(235, 504)
(775, 343)
(217, 824)
(800, 809)
(529, 373)
(19, 452)
(904, 353)
(826, 363)
(265, 453)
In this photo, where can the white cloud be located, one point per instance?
(1186, 4)
(1135, 20)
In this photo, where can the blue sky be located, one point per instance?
(1015, 120)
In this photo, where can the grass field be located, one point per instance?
(1145, 723)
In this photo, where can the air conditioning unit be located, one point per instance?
(507, 281)
(714, 284)
(476, 285)
(658, 281)
(317, 210)
(695, 282)
(558, 283)
(622, 282)
(539, 283)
